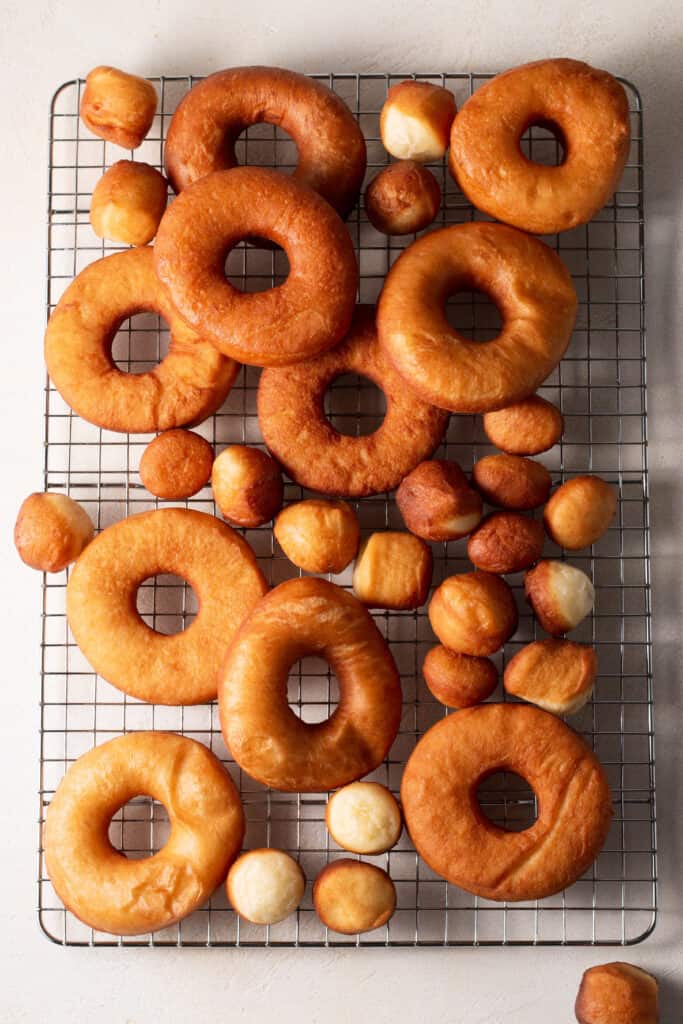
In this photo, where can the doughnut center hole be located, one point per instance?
(474, 315)
(543, 142)
(508, 801)
(253, 266)
(266, 145)
(312, 690)
(167, 604)
(140, 828)
(140, 343)
(354, 405)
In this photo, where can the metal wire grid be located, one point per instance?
(600, 387)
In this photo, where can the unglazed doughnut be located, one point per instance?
(247, 485)
(364, 818)
(437, 502)
(128, 202)
(403, 198)
(511, 481)
(292, 418)
(318, 535)
(265, 886)
(303, 317)
(506, 542)
(51, 531)
(617, 993)
(456, 839)
(528, 283)
(176, 464)
(416, 120)
(473, 613)
(117, 106)
(589, 110)
(300, 617)
(525, 428)
(393, 570)
(458, 680)
(187, 386)
(560, 594)
(557, 675)
(351, 896)
(130, 897)
(580, 511)
(205, 127)
(101, 610)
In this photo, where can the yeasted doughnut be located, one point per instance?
(560, 594)
(458, 680)
(292, 418)
(187, 386)
(525, 428)
(580, 511)
(51, 531)
(393, 570)
(528, 283)
(131, 897)
(506, 542)
(247, 485)
(303, 317)
(265, 886)
(128, 202)
(557, 675)
(587, 108)
(617, 993)
(403, 198)
(101, 610)
(416, 120)
(473, 613)
(205, 127)
(512, 481)
(176, 464)
(364, 817)
(117, 106)
(300, 617)
(318, 535)
(351, 896)
(437, 502)
(455, 838)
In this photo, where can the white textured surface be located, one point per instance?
(42, 44)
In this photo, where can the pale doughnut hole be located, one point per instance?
(265, 886)
(416, 121)
(411, 138)
(364, 817)
(573, 593)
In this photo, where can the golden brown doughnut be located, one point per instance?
(437, 502)
(580, 511)
(458, 680)
(51, 531)
(403, 198)
(301, 318)
(473, 613)
(247, 485)
(128, 202)
(456, 839)
(292, 418)
(100, 601)
(187, 386)
(117, 106)
(116, 894)
(528, 283)
(560, 594)
(557, 675)
(364, 817)
(318, 535)
(176, 464)
(415, 121)
(617, 993)
(525, 428)
(393, 570)
(589, 110)
(511, 481)
(351, 896)
(506, 542)
(203, 130)
(265, 886)
(299, 617)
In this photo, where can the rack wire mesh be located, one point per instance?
(601, 389)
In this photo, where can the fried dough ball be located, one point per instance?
(128, 202)
(117, 106)
(176, 464)
(512, 481)
(364, 817)
(247, 485)
(318, 535)
(393, 570)
(525, 428)
(557, 675)
(617, 993)
(580, 511)
(416, 120)
(51, 531)
(560, 594)
(403, 198)
(265, 886)
(458, 680)
(506, 542)
(437, 502)
(473, 613)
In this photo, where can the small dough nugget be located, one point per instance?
(437, 502)
(51, 531)
(117, 106)
(525, 428)
(128, 203)
(512, 481)
(557, 675)
(351, 896)
(617, 993)
(403, 198)
(416, 119)
(473, 613)
(560, 594)
(393, 570)
(265, 886)
(458, 680)
(247, 485)
(364, 818)
(580, 511)
(176, 464)
(318, 535)
(506, 542)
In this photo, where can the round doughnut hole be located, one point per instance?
(256, 265)
(508, 801)
(140, 343)
(312, 690)
(543, 143)
(265, 145)
(474, 315)
(167, 604)
(140, 828)
(354, 405)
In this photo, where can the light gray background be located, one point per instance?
(42, 43)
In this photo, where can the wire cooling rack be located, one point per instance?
(600, 387)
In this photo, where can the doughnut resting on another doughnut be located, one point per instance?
(51, 531)
(117, 106)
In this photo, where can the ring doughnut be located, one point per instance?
(295, 428)
(187, 386)
(526, 280)
(115, 894)
(456, 839)
(100, 602)
(307, 314)
(589, 110)
(205, 127)
(300, 617)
